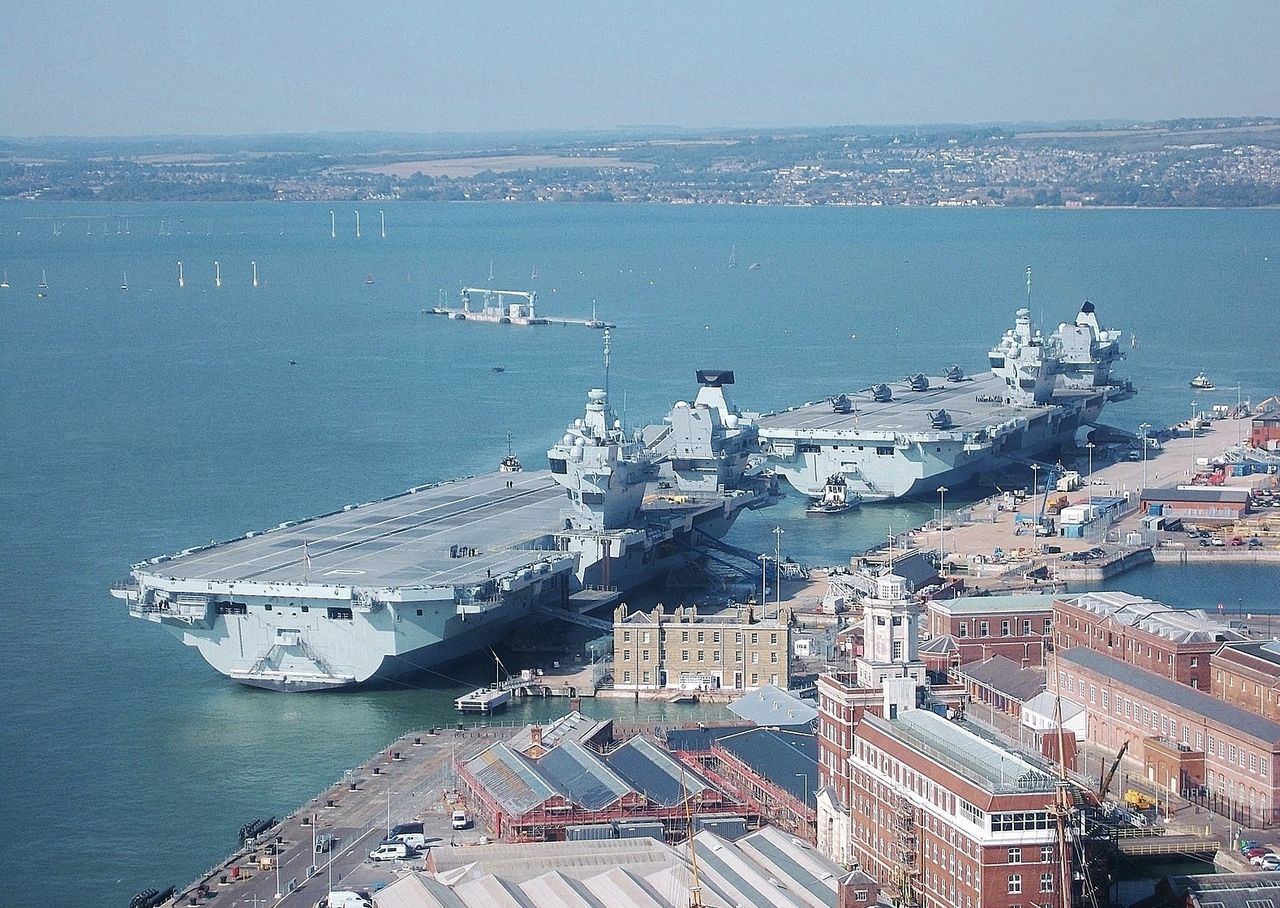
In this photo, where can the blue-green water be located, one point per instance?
(139, 422)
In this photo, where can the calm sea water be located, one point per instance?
(139, 422)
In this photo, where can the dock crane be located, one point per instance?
(1105, 780)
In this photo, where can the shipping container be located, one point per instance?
(590, 832)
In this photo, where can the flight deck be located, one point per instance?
(439, 535)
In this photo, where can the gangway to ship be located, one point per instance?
(572, 617)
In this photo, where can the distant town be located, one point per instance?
(1182, 163)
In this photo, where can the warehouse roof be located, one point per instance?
(788, 758)
(1225, 495)
(1160, 688)
(767, 868)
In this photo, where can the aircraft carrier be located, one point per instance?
(899, 439)
(380, 591)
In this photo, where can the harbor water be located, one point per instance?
(141, 421)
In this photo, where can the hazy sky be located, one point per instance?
(130, 67)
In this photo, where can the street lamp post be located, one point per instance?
(1090, 446)
(942, 528)
(1035, 515)
(777, 568)
(1146, 443)
(1194, 404)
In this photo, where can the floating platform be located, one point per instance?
(484, 700)
(496, 307)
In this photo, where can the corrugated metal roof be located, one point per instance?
(699, 740)
(654, 772)
(510, 779)
(1215, 495)
(1194, 701)
(779, 756)
(581, 776)
(766, 868)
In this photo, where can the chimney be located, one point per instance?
(535, 736)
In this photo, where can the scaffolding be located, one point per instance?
(906, 854)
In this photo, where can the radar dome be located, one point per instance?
(596, 395)
(682, 405)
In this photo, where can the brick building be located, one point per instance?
(1001, 684)
(1181, 739)
(1248, 675)
(1174, 643)
(889, 669)
(1264, 430)
(948, 816)
(980, 627)
(685, 650)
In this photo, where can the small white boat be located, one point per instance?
(1202, 382)
(44, 281)
(836, 497)
(124, 281)
(4, 284)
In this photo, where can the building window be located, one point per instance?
(1004, 628)
(626, 655)
(1195, 661)
(626, 677)
(1015, 855)
(1046, 882)
(984, 629)
(715, 636)
(701, 655)
(897, 651)
(1015, 883)
(1106, 699)
(684, 655)
(645, 655)
(755, 679)
(755, 638)
(773, 657)
(684, 636)
(773, 639)
(1046, 854)
(646, 677)
(626, 636)
(1026, 627)
(963, 629)
(755, 658)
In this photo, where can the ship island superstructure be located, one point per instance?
(898, 439)
(379, 591)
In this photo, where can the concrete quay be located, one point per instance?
(409, 780)
(971, 536)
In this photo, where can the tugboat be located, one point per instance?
(836, 497)
(510, 463)
(1202, 382)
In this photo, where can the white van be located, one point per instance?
(460, 819)
(412, 839)
(390, 851)
(345, 898)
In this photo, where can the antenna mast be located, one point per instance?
(606, 363)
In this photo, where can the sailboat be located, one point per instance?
(733, 256)
(42, 286)
(534, 275)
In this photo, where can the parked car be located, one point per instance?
(1256, 851)
(1246, 844)
(1270, 862)
(1254, 542)
(460, 819)
(1235, 540)
(1258, 860)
